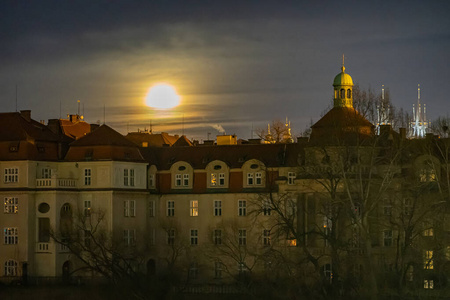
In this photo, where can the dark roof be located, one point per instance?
(104, 143)
(18, 127)
(22, 138)
(103, 136)
(341, 124)
(182, 142)
(272, 155)
(153, 139)
(76, 129)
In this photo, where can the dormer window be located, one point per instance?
(182, 175)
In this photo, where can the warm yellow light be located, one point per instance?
(162, 96)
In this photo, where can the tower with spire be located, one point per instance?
(419, 124)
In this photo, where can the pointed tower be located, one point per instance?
(343, 88)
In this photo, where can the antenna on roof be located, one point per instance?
(151, 127)
(16, 97)
(83, 110)
(182, 128)
(78, 103)
(104, 114)
(59, 109)
(251, 133)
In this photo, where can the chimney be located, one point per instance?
(26, 114)
(53, 125)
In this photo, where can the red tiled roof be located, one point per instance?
(153, 139)
(74, 130)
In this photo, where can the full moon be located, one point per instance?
(162, 96)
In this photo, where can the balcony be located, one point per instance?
(48, 183)
(42, 247)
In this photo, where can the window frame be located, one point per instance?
(217, 208)
(193, 208)
(242, 208)
(11, 175)
(11, 205)
(194, 237)
(242, 237)
(10, 235)
(170, 208)
(217, 236)
(87, 176)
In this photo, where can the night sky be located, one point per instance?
(236, 64)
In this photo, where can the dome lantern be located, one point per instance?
(343, 89)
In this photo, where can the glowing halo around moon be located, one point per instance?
(162, 96)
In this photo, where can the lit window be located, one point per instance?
(266, 237)
(87, 208)
(151, 208)
(428, 173)
(11, 175)
(194, 236)
(217, 208)
(427, 229)
(217, 269)
(217, 237)
(171, 236)
(11, 268)
(177, 179)
(428, 284)
(387, 238)
(11, 235)
(11, 205)
(170, 208)
(242, 208)
(217, 179)
(194, 208)
(428, 260)
(242, 237)
(87, 176)
(129, 237)
(292, 242)
(129, 208)
(291, 178)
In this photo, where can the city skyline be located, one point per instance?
(225, 60)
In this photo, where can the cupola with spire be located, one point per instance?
(343, 89)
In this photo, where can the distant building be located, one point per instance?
(419, 124)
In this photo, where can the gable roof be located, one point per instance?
(103, 136)
(182, 142)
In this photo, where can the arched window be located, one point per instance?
(335, 94)
(349, 93)
(342, 93)
(11, 268)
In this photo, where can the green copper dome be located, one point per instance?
(343, 79)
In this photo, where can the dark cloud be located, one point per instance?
(246, 62)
